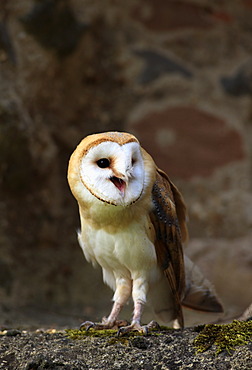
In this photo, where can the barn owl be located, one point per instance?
(133, 223)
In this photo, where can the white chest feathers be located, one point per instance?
(126, 253)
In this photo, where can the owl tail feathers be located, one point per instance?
(199, 292)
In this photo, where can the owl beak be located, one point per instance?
(119, 183)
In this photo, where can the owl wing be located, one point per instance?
(169, 220)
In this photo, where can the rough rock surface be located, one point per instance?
(173, 350)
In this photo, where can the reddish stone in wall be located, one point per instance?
(187, 142)
(163, 15)
(247, 3)
(224, 17)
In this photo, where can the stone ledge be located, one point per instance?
(170, 350)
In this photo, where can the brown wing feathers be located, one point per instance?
(168, 213)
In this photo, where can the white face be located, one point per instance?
(114, 173)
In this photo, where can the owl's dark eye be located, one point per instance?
(103, 162)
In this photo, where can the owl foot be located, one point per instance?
(135, 326)
(115, 325)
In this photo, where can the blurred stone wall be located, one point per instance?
(178, 74)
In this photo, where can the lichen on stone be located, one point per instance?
(81, 334)
(112, 334)
(225, 337)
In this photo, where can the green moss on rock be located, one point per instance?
(81, 334)
(225, 337)
(111, 334)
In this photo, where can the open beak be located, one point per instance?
(119, 184)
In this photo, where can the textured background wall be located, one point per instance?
(178, 74)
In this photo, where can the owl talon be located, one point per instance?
(153, 325)
(86, 325)
(143, 329)
(127, 329)
(90, 326)
(94, 325)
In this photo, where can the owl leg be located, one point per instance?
(109, 322)
(122, 294)
(136, 322)
(139, 293)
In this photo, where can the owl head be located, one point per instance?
(108, 166)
